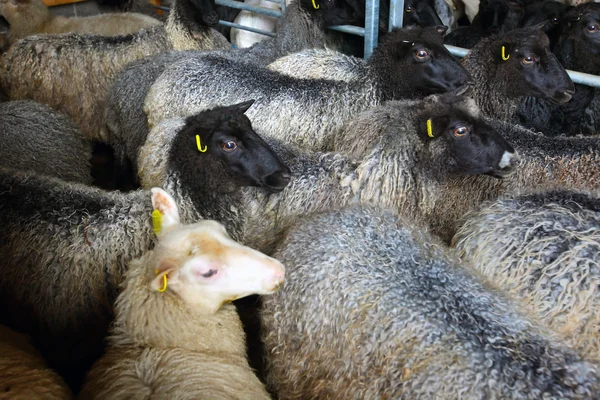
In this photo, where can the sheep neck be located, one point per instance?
(180, 33)
(147, 318)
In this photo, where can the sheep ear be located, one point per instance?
(165, 215)
(514, 4)
(503, 52)
(542, 26)
(243, 107)
(433, 127)
(167, 274)
(441, 29)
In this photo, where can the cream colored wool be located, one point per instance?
(31, 17)
(24, 374)
(73, 72)
(183, 343)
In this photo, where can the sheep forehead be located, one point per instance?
(208, 237)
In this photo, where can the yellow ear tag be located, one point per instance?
(503, 56)
(156, 221)
(164, 287)
(429, 130)
(315, 6)
(199, 145)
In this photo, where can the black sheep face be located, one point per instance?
(334, 12)
(548, 13)
(525, 61)
(199, 14)
(419, 53)
(420, 13)
(499, 16)
(579, 41)
(218, 150)
(466, 143)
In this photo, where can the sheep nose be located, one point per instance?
(279, 180)
(212, 18)
(276, 277)
(508, 162)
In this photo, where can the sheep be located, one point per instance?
(544, 248)
(375, 307)
(89, 64)
(37, 138)
(399, 170)
(577, 48)
(494, 17)
(550, 11)
(304, 111)
(23, 372)
(508, 67)
(397, 165)
(30, 17)
(174, 334)
(71, 242)
(126, 124)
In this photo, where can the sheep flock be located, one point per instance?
(190, 210)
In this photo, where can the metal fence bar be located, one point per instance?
(246, 28)
(243, 6)
(371, 27)
(577, 77)
(396, 14)
(354, 30)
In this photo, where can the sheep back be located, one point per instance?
(544, 248)
(64, 248)
(24, 373)
(374, 307)
(35, 137)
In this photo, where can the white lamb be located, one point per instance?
(175, 335)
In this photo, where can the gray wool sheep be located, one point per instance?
(300, 27)
(73, 72)
(175, 335)
(24, 373)
(507, 67)
(35, 137)
(305, 111)
(544, 249)
(375, 307)
(384, 141)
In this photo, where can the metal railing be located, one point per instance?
(371, 30)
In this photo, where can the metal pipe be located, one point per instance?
(243, 6)
(246, 28)
(371, 27)
(577, 77)
(396, 14)
(354, 30)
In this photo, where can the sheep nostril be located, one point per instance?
(278, 180)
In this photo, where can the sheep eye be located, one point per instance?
(528, 60)
(409, 9)
(461, 131)
(210, 273)
(555, 20)
(593, 28)
(229, 146)
(421, 55)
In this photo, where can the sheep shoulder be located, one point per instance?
(320, 64)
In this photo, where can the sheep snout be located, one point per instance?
(277, 181)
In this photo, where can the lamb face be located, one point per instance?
(203, 265)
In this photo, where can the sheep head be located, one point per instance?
(525, 66)
(234, 155)
(202, 264)
(419, 53)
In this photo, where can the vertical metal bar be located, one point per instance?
(282, 6)
(396, 14)
(371, 26)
